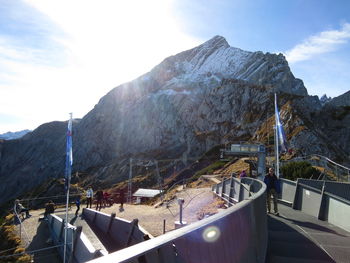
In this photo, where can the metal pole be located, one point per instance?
(180, 202)
(159, 179)
(277, 171)
(130, 183)
(68, 176)
(65, 228)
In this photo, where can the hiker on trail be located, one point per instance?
(89, 196)
(99, 199)
(273, 188)
(121, 198)
(49, 208)
(242, 174)
(77, 203)
(20, 208)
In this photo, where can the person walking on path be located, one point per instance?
(77, 203)
(99, 199)
(272, 189)
(89, 196)
(121, 199)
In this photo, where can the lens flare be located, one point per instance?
(211, 234)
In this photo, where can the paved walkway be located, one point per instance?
(297, 237)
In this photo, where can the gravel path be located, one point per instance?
(150, 218)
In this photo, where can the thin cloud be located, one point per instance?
(323, 42)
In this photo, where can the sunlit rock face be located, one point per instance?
(187, 104)
(212, 94)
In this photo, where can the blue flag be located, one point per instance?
(281, 136)
(69, 154)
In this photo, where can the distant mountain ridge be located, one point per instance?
(14, 135)
(210, 95)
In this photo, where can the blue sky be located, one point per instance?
(62, 56)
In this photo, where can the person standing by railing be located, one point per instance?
(272, 189)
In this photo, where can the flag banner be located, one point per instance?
(281, 136)
(69, 154)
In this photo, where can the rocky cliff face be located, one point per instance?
(209, 95)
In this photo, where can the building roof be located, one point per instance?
(141, 192)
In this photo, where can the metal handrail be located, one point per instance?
(20, 225)
(324, 161)
(321, 156)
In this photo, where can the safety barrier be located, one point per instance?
(326, 200)
(118, 233)
(79, 248)
(237, 234)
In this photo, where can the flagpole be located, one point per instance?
(277, 171)
(67, 182)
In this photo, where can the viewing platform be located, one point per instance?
(243, 232)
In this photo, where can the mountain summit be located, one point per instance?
(210, 95)
(216, 59)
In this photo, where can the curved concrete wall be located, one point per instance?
(237, 234)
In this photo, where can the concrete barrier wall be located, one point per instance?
(338, 212)
(310, 201)
(237, 234)
(287, 190)
(338, 189)
(122, 232)
(83, 250)
(326, 200)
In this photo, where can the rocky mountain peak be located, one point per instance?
(325, 99)
(209, 95)
(215, 60)
(215, 43)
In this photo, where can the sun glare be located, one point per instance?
(106, 43)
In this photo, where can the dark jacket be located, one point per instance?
(99, 195)
(272, 182)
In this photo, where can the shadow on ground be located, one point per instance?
(286, 243)
(41, 241)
